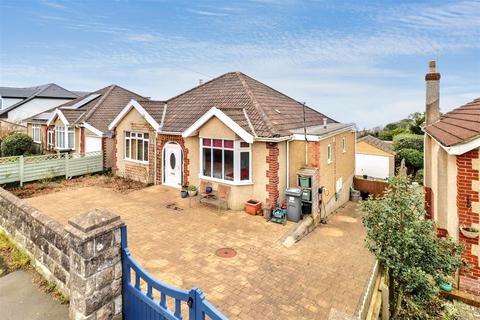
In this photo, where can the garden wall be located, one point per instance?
(44, 239)
(83, 259)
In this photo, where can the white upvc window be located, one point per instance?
(65, 137)
(329, 153)
(49, 138)
(136, 147)
(344, 145)
(36, 133)
(223, 160)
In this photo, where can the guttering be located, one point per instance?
(280, 139)
(459, 149)
(315, 138)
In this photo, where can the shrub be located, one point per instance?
(419, 176)
(16, 144)
(408, 141)
(413, 158)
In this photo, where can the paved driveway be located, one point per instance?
(327, 269)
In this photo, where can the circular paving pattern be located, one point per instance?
(226, 252)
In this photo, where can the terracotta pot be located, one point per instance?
(253, 207)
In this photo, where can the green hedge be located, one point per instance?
(408, 141)
(16, 144)
(413, 158)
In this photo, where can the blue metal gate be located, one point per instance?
(139, 302)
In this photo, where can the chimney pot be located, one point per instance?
(432, 78)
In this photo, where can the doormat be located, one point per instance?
(226, 253)
(173, 206)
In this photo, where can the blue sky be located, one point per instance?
(358, 61)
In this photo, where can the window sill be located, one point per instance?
(37, 142)
(64, 149)
(231, 183)
(136, 161)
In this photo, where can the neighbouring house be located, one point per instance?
(374, 158)
(235, 131)
(451, 174)
(81, 125)
(18, 104)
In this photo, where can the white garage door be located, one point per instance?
(93, 144)
(374, 166)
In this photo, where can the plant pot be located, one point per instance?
(365, 176)
(192, 193)
(355, 195)
(468, 232)
(446, 286)
(183, 193)
(209, 190)
(253, 207)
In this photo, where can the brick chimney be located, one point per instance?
(432, 79)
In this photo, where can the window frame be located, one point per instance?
(237, 150)
(329, 153)
(137, 139)
(50, 138)
(65, 130)
(36, 139)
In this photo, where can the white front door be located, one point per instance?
(172, 165)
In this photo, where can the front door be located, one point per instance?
(172, 165)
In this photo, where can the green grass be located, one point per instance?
(13, 257)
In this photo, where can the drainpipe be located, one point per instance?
(155, 159)
(305, 133)
(288, 163)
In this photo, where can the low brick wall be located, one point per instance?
(83, 259)
(44, 239)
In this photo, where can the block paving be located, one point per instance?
(324, 273)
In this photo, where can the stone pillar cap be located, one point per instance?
(93, 223)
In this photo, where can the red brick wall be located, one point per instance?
(82, 142)
(465, 196)
(272, 173)
(314, 154)
(115, 156)
(104, 148)
(162, 139)
(442, 233)
(428, 203)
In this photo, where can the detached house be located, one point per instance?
(451, 176)
(18, 104)
(81, 125)
(235, 131)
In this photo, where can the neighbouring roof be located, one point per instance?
(256, 107)
(458, 126)
(99, 107)
(380, 144)
(50, 90)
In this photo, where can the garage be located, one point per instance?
(93, 144)
(374, 158)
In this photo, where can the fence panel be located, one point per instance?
(24, 169)
(373, 187)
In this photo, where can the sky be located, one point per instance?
(359, 62)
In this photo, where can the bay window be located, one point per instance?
(136, 146)
(36, 136)
(225, 160)
(64, 137)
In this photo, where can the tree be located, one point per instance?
(405, 243)
(16, 144)
(416, 120)
(408, 141)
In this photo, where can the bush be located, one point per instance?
(389, 134)
(413, 158)
(419, 176)
(16, 144)
(408, 141)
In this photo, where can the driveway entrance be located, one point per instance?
(261, 279)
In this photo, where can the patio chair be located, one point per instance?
(217, 198)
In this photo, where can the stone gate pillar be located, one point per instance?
(95, 266)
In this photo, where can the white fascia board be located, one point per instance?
(214, 112)
(310, 137)
(57, 113)
(134, 104)
(93, 129)
(461, 148)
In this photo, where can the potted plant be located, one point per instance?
(469, 232)
(354, 194)
(184, 192)
(253, 207)
(192, 190)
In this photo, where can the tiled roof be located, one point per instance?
(380, 144)
(270, 112)
(100, 111)
(50, 90)
(457, 126)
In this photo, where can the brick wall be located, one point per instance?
(468, 215)
(272, 172)
(428, 203)
(162, 139)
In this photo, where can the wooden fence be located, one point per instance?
(373, 187)
(23, 169)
